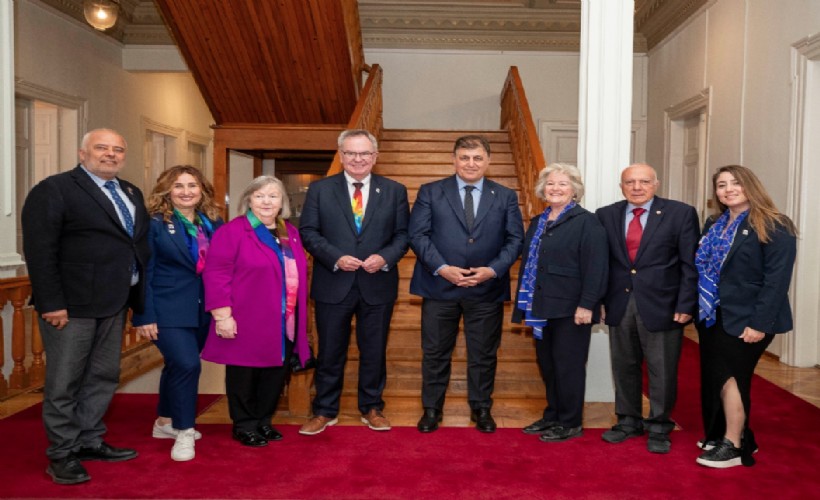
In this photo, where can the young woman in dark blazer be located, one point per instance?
(745, 261)
(184, 216)
(562, 280)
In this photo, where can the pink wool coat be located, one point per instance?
(243, 273)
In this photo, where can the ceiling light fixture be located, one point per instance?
(101, 14)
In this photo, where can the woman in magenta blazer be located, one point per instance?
(256, 290)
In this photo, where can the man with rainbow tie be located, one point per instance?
(355, 226)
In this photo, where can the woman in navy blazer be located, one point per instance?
(745, 261)
(562, 279)
(184, 216)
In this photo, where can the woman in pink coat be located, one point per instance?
(256, 290)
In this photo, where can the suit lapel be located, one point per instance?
(374, 200)
(453, 197)
(653, 220)
(742, 234)
(343, 198)
(89, 186)
(619, 214)
(177, 235)
(487, 200)
(140, 220)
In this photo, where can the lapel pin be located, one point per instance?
(378, 190)
(130, 190)
(171, 228)
(745, 232)
(492, 191)
(657, 212)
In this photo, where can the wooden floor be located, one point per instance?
(802, 382)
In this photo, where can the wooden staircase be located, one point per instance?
(415, 157)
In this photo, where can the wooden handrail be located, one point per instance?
(526, 149)
(25, 331)
(368, 112)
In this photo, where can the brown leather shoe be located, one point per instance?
(317, 424)
(376, 421)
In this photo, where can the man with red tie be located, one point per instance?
(652, 294)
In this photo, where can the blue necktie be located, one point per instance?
(126, 215)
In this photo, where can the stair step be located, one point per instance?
(433, 145)
(394, 169)
(442, 135)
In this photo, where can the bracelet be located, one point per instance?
(223, 319)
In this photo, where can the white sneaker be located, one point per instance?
(183, 449)
(168, 432)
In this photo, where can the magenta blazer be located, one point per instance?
(243, 273)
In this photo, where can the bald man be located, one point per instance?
(652, 294)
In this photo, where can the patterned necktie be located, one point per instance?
(469, 207)
(634, 233)
(358, 206)
(126, 215)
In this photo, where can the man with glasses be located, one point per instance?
(355, 226)
(466, 232)
(85, 241)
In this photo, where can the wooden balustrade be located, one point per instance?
(368, 112)
(139, 355)
(526, 149)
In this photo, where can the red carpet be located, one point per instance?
(354, 462)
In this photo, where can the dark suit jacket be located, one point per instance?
(439, 236)
(328, 232)
(572, 267)
(755, 279)
(663, 277)
(174, 296)
(78, 254)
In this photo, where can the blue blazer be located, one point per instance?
(755, 279)
(572, 267)
(439, 236)
(328, 233)
(174, 296)
(663, 277)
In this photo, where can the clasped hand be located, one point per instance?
(466, 277)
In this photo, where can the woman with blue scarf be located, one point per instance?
(745, 261)
(184, 217)
(256, 290)
(562, 280)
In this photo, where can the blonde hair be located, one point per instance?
(570, 171)
(259, 183)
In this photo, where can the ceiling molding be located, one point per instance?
(519, 25)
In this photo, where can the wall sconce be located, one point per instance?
(101, 14)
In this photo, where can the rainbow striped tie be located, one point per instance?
(358, 206)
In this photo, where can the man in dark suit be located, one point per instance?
(466, 232)
(652, 294)
(355, 226)
(84, 237)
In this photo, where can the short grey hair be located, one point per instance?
(569, 170)
(356, 132)
(87, 137)
(259, 183)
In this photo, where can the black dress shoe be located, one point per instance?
(483, 420)
(539, 426)
(430, 420)
(250, 438)
(104, 452)
(269, 432)
(67, 470)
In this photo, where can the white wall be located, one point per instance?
(69, 57)
(741, 51)
(461, 90)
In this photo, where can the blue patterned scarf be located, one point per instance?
(528, 280)
(714, 246)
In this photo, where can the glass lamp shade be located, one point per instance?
(100, 14)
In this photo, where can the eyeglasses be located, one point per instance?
(364, 155)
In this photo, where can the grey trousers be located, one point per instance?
(82, 373)
(630, 343)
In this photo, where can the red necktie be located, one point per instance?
(634, 233)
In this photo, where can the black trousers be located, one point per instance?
(333, 327)
(254, 392)
(630, 344)
(439, 330)
(562, 358)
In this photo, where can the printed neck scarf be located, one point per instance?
(714, 246)
(197, 236)
(525, 294)
(290, 286)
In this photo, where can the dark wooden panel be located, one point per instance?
(270, 61)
